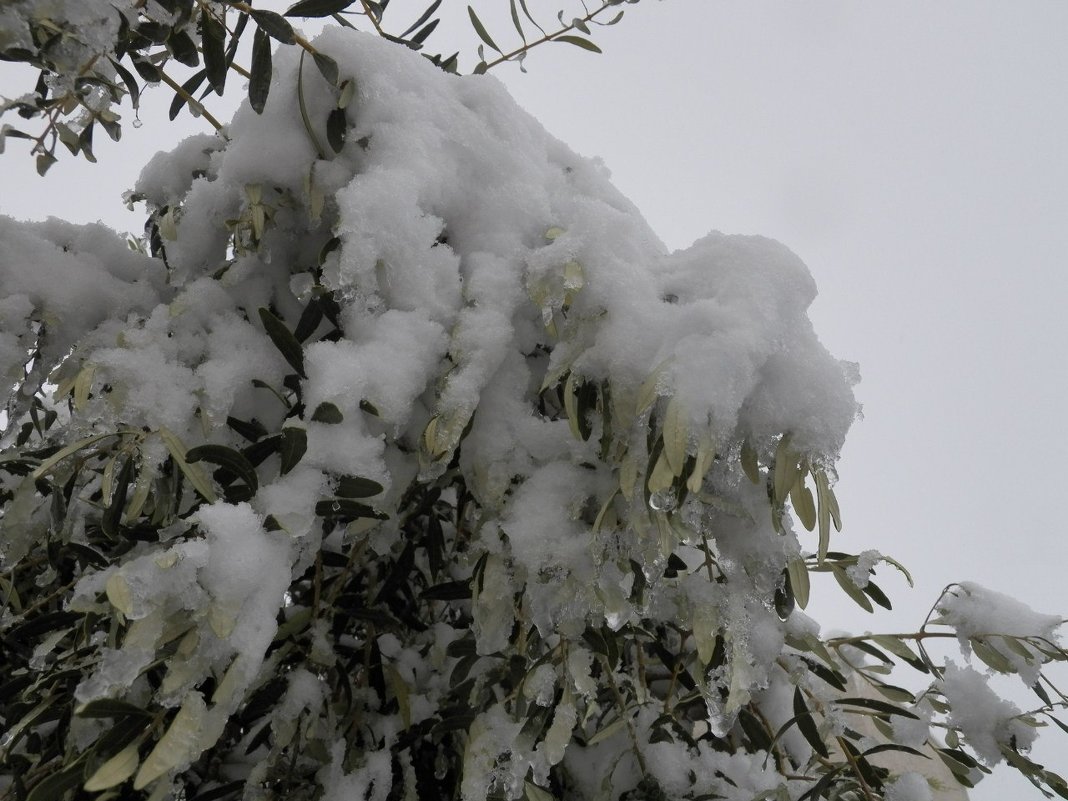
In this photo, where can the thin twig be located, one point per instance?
(547, 38)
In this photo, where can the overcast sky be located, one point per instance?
(914, 155)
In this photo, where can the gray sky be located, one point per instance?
(913, 154)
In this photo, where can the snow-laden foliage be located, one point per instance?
(407, 463)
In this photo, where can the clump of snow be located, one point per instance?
(989, 616)
(987, 721)
(860, 573)
(908, 787)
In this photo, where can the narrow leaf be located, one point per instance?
(421, 37)
(213, 41)
(283, 339)
(259, 84)
(515, 21)
(578, 41)
(347, 509)
(480, 29)
(327, 66)
(807, 725)
(115, 771)
(294, 445)
(526, 13)
(111, 708)
(192, 472)
(358, 487)
(232, 460)
(110, 521)
(851, 589)
(56, 785)
(879, 706)
(336, 128)
(425, 16)
(274, 25)
(318, 8)
(797, 572)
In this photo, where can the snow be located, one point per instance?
(987, 721)
(909, 787)
(480, 264)
(977, 612)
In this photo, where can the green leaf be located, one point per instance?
(294, 446)
(480, 29)
(283, 339)
(578, 41)
(797, 572)
(851, 589)
(749, 463)
(534, 22)
(347, 509)
(336, 128)
(115, 771)
(515, 21)
(259, 84)
(63, 453)
(423, 18)
(111, 708)
(56, 785)
(110, 521)
(807, 725)
(190, 86)
(193, 473)
(213, 41)
(183, 48)
(44, 161)
(318, 8)
(274, 25)
(327, 413)
(232, 460)
(327, 66)
(879, 706)
(449, 591)
(251, 430)
(422, 35)
(358, 487)
(873, 591)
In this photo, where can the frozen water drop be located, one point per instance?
(663, 501)
(137, 122)
(302, 285)
(441, 766)
(719, 722)
(336, 506)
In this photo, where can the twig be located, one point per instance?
(547, 38)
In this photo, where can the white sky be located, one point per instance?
(913, 154)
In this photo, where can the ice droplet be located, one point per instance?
(137, 122)
(336, 506)
(719, 723)
(302, 285)
(441, 766)
(663, 501)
